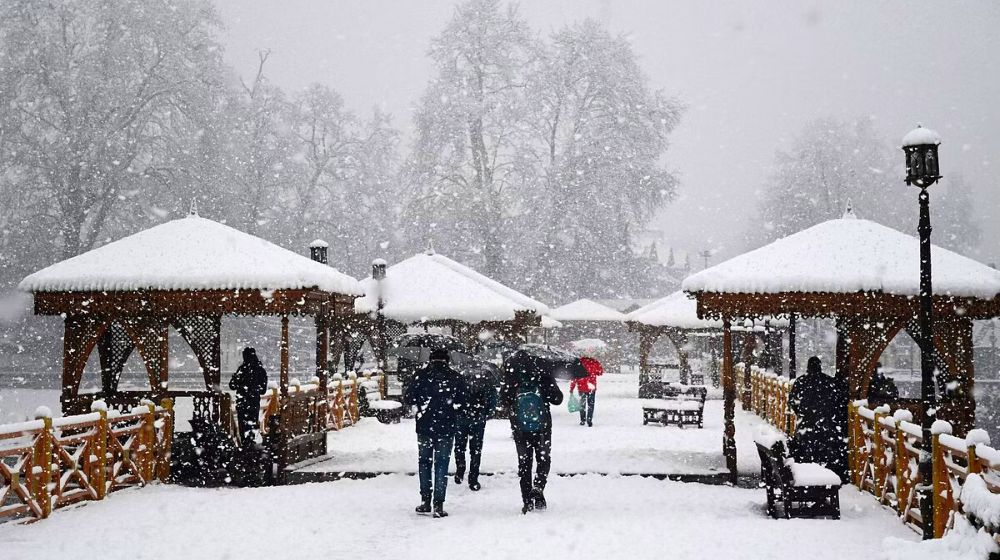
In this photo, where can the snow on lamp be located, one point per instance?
(921, 148)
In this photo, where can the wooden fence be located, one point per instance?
(340, 408)
(52, 462)
(883, 451)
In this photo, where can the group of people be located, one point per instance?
(452, 410)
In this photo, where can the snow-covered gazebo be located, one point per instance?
(429, 289)
(588, 319)
(186, 274)
(866, 275)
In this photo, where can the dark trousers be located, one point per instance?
(247, 416)
(471, 436)
(434, 456)
(587, 407)
(535, 446)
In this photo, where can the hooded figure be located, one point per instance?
(817, 400)
(438, 393)
(249, 382)
(481, 379)
(527, 392)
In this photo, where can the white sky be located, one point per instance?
(751, 73)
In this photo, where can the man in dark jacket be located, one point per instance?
(437, 392)
(817, 400)
(249, 382)
(527, 393)
(481, 380)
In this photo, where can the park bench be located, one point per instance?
(683, 405)
(804, 489)
(387, 411)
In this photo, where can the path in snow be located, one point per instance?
(590, 517)
(618, 442)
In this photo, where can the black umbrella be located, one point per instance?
(547, 361)
(417, 347)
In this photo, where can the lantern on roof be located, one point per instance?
(921, 148)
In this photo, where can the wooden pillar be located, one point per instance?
(792, 365)
(322, 348)
(284, 355)
(843, 357)
(729, 396)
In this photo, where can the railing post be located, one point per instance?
(902, 464)
(163, 460)
(878, 454)
(99, 467)
(41, 471)
(941, 489)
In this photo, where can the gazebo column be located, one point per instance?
(729, 399)
(647, 336)
(322, 348)
(284, 356)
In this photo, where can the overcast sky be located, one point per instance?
(751, 74)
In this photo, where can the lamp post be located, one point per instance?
(921, 149)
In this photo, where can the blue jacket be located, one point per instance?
(439, 393)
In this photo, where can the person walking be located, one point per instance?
(587, 389)
(527, 393)
(437, 394)
(481, 380)
(249, 382)
(817, 399)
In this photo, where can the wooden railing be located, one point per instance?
(884, 450)
(340, 408)
(52, 462)
(769, 397)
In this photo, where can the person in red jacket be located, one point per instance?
(587, 387)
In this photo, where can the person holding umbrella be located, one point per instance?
(528, 391)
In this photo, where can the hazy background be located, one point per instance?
(750, 73)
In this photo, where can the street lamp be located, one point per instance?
(921, 149)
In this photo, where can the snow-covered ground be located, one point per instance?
(618, 442)
(590, 517)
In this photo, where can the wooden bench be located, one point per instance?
(677, 404)
(804, 489)
(387, 411)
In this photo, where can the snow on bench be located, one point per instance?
(811, 474)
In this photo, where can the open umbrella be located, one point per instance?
(548, 361)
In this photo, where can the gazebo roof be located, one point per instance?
(677, 310)
(432, 287)
(846, 256)
(586, 310)
(189, 254)
(680, 311)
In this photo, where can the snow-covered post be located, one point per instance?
(41, 471)
(318, 253)
(98, 459)
(163, 460)
(729, 396)
(379, 271)
(940, 486)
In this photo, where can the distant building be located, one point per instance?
(669, 265)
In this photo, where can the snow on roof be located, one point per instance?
(919, 136)
(846, 256)
(586, 310)
(429, 287)
(190, 253)
(676, 310)
(550, 323)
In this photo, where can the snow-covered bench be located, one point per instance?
(679, 404)
(804, 489)
(387, 411)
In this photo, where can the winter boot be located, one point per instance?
(539, 500)
(459, 476)
(474, 485)
(439, 511)
(424, 508)
(528, 506)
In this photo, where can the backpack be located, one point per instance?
(529, 407)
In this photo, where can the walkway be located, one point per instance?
(618, 442)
